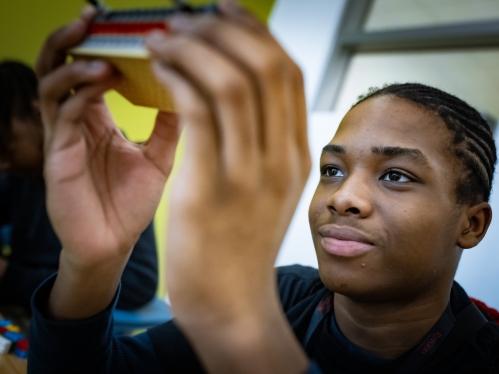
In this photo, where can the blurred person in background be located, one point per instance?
(35, 248)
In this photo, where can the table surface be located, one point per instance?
(10, 364)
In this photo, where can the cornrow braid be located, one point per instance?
(472, 143)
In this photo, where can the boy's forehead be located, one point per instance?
(389, 121)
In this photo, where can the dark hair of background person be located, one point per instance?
(18, 90)
(472, 144)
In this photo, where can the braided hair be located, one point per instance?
(18, 90)
(472, 143)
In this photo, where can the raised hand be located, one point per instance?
(102, 190)
(241, 100)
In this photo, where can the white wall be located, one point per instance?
(306, 29)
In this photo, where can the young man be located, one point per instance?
(403, 190)
(35, 246)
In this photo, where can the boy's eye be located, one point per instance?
(395, 176)
(330, 171)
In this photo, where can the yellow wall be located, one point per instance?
(24, 25)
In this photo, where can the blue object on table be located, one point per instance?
(5, 235)
(13, 336)
(20, 353)
(151, 314)
(5, 322)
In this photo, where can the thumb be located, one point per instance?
(161, 146)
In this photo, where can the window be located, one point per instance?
(450, 44)
(398, 14)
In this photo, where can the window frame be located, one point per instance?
(353, 39)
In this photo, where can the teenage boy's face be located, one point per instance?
(384, 217)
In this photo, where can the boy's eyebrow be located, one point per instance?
(331, 148)
(412, 153)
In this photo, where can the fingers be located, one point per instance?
(72, 113)
(237, 13)
(58, 84)
(55, 87)
(276, 78)
(240, 16)
(53, 53)
(195, 115)
(60, 110)
(88, 13)
(161, 146)
(227, 90)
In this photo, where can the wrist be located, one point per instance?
(82, 291)
(86, 261)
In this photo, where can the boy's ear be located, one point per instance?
(476, 221)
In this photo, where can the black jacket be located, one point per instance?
(88, 346)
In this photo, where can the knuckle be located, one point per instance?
(77, 68)
(172, 49)
(177, 49)
(238, 185)
(206, 27)
(74, 73)
(233, 88)
(199, 112)
(270, 66)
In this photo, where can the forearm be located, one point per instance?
(82, 291)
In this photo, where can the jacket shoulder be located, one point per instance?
(296, 282)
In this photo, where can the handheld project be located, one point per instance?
(118, 37)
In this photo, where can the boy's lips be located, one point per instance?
(344, 241)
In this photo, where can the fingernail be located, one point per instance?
(155, 37)
(179, 22)
(97, 66)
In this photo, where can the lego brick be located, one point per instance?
(117, 37)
